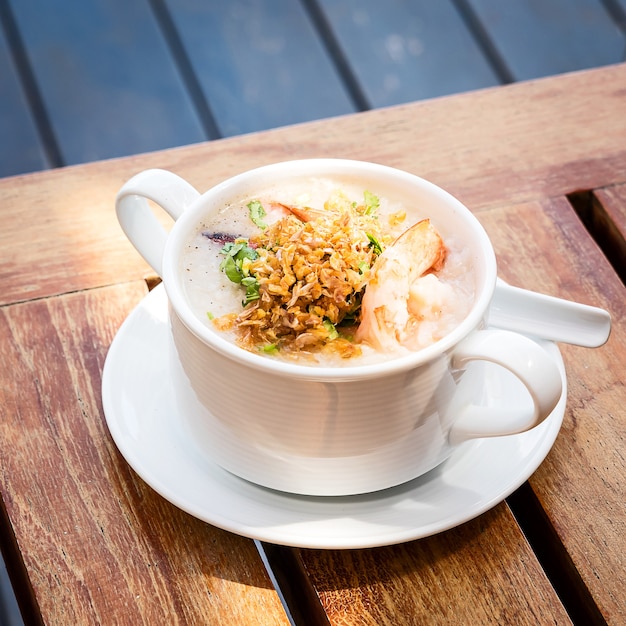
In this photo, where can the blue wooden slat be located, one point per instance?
(9, 609)
(404, 50)
(108, 82)
(619, 15)
(20, 148)
(621, 4)
(259, 62)
(546, 37)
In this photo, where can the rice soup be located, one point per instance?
(440, 299)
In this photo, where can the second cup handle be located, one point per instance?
(529, 362)
(139, 223)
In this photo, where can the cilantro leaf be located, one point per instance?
(236, 266)
(229, 267)
(257, 213)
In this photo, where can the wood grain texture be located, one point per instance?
(100, 543)
(100, 546)
(582, 483)
(480, 573)
(492, 147)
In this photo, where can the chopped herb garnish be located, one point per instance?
(372, 202)
(237, 261)
(330, 328)
(229, 267)
(252, 289)
(210, 315)
(257, 213)
(270, 348)
(374, 243)
(236, 266)
(363, 266)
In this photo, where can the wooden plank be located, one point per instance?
(99, 545)
(107, 79)
(582, 484)
(260, 64)
(22, 150)
(399, 53)
(491, 147)
(551, 37)
(480, 573)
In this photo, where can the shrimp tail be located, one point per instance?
(304, 214)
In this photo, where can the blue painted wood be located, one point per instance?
(108, 82)
(619, 16)
(260, 63)
(20, 148)
(9, 609)
(116, 79)
(622, 4)
(404, 50)
(546, 37)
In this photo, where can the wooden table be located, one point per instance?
(543, 166)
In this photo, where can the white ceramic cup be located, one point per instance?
(332, 430)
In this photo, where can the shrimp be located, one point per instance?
(278, 210)
(304, 214)
(386, 308)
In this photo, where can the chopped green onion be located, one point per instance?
(257, 213)
(330, 328)
(252, 289)
(270, 348)
(210, 315)
(372, 202)
(374, 243)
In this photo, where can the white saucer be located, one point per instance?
(141, 415)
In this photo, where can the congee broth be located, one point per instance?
(322, 270)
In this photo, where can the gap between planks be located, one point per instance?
(602, 228)
(554, 558)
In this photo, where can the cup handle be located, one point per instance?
(139, 223)
(527, 360)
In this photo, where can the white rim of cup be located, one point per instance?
(185, 225)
